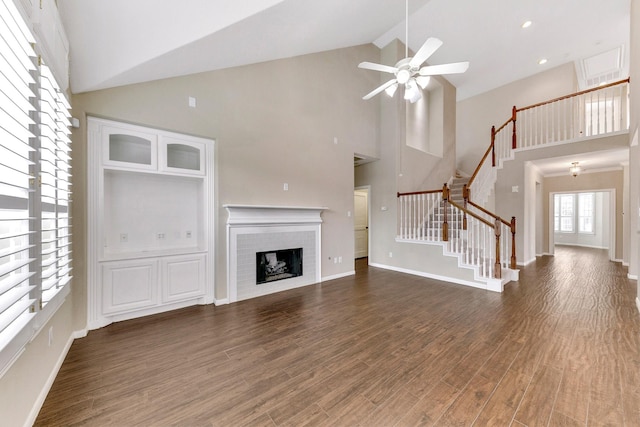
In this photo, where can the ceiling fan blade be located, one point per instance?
(379, 89)
(428, 48)
(378, 67)
(453, 68)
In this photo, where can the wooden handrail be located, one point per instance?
(491, 214)
(468, 212)
(475, 173)
(420, 192)
(627, 80)
(504, 125)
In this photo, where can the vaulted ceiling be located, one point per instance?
(119, 42)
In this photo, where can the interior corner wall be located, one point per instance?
(296, 121)
(634, 152)
(401, 168)
(477, 114)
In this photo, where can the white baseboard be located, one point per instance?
(431, 276)
(52, 377)
(220, 301)
(632, 276)
(638, 303)
(524, 264)
(338, 276)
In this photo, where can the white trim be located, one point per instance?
(33, 414)
(582, 246)
(524, 264)
(434, 276)
(338, 276)
(638, 303)
(632, 276)
(220, 301)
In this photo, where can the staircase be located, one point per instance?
(455, 217)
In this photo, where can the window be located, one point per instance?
(574, 212)
(585, 212)
(35, 252)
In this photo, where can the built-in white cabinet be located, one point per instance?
(150, 221)
(182, 277)
(129, 285)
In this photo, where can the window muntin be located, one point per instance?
(574, 213)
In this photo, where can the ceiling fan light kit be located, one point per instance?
(409, 71)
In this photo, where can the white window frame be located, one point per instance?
(35, 152)
(576, 213)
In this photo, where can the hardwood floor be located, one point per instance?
(559, 348)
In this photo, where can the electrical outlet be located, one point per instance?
(188, 234)
(160, 236)
(124, 238)
(390, 254)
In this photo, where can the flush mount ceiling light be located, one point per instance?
(542, 61)
(409, 71)
(575, 169)
(526, 24)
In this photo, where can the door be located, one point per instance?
(361, 222)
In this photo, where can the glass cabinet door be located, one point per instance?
(182, 156)
(130, 149)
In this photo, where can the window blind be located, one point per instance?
(18, 289)
(55, 150)
(35, 188)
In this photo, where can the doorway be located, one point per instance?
(570, 225)
(361, 221)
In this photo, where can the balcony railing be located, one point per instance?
(595, 112)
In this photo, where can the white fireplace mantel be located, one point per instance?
(257, 228)
(276, 215)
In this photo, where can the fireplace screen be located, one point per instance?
(278, 265)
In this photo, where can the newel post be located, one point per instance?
(514, 113)
(465, 196)
(513, 242)
(445, 224)
(493, 146)
(498, 267)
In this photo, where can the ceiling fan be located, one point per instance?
(408, 71)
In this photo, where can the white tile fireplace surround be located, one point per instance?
(252, 229)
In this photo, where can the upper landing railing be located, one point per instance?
(599, 111)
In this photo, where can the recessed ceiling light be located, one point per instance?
(542, 61)
(526, 24)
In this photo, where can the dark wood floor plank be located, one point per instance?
(559, 347)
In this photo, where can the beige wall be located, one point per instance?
(274, 123)
(587, 182)
(521, 172)
(477, 114)
(403, 169)
(634, 153)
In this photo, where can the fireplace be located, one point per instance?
(278, 265)
(283, 241)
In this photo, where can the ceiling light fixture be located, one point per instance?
(410, 72)
(391, 90)
(542, 61)
(575, 169)
(526, 24)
